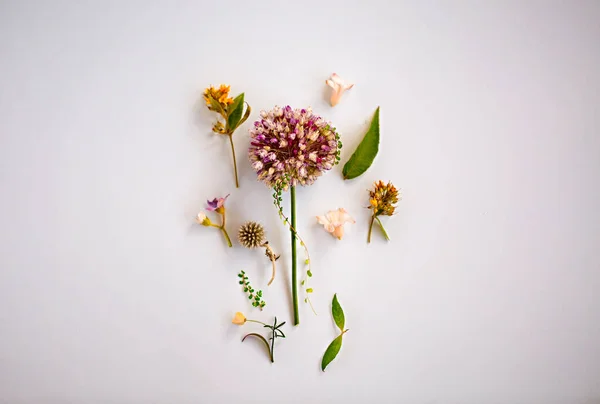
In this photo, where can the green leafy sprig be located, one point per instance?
(340, 320)
(256, 298)
(277, 199)
(365, 153)
(275, 333)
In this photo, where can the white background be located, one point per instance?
(487, 293)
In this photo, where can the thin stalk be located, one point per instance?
(225, 231)
(272, 258)
(294, 277)
(370, 228)
(273, 341)
(226, 237)
(255, 321)
(237, 185)
(383, 229)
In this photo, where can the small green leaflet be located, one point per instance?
(216, 105)
(338, 313)
(235, 111)
(331, 352)
(333, 348)
(365, 153)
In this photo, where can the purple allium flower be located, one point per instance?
(216, 203)
(292, 142)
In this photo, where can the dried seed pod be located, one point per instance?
(251, 235)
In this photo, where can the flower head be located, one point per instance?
(239, 319)
(334, 221)
(251, 235)
(339, 86)
(382, 198)
(216, 204)
(202, 219)
(220, 95)
(292, 146)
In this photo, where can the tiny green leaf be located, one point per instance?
(309, 290)
(234, 112)
(338, 313)
(331, 352)
(216, 106)
(365, 153)
(309, 273)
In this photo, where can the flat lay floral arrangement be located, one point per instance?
(291, 147)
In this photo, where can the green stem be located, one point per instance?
(256, 321)
(383, 230)
(273, 345)
(294, 278)
(237, 185)
(370, 228)
(226, 237)
(223, 228)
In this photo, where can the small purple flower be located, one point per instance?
(216, 203)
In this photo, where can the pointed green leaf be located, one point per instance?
(365, 153)
(338, 313)
(331, 352)
(246, 115)
(234, 112)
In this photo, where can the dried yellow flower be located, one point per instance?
(221, 95)
(382, 198)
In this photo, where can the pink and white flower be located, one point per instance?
(216, 204)
(334, 221)
(339, 86)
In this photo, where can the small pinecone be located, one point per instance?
(251, 235)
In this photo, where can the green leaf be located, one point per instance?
(263, 340)
(331, 352)
(217, 106)
(338, 313)
(234, 112)
(309, 273)
(246, 114)
(309, 290)
(365, 153)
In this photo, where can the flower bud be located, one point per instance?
(202, 219)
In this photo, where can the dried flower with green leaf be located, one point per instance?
(232, 112)
(340, 320)
(382, 200)
(255, 298)
(252, 235)
(240, 319)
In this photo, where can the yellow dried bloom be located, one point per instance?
(221, 95)
(239, 319)
(382, 198)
